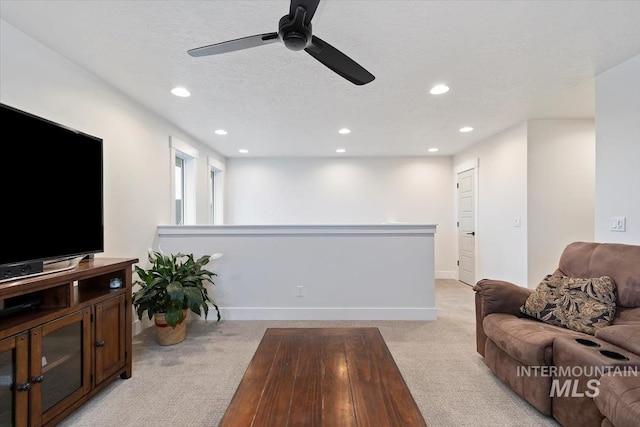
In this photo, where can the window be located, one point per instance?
(179, 190)
(216, 188)
(183, 191)
(212, 196)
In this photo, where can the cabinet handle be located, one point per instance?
(100, 343)
(24, 387)
(37, 379)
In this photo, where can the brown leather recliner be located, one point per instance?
(536, 359)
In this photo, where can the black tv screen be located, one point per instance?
(52, 190)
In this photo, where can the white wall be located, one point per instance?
(346, 191)
(502, 196)
(560, 190)
(136, 142)
(358, 272)
(618, 151)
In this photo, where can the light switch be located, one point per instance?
(618, 223)
(517, 222)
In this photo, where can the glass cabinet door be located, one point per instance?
(14, 387)
(60, 364)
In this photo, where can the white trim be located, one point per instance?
(281, 230)
(325, 313)
(462, 167)
(216, 164)
(136, 327)
(183, 147)
(473, 163)
(446, 275)
(172, 184)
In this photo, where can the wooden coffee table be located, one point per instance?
(333, 377)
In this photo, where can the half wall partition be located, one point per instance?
(315, 272)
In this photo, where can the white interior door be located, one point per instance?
(466, 227)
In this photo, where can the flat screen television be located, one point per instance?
(52, 193)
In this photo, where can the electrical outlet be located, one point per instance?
(299, 291)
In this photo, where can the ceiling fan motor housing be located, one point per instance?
(292, 31)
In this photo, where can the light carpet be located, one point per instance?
(191, 383)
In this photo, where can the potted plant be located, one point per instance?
(173, 285)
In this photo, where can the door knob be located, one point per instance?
(100, 343)
(473, 233)
(37, 379)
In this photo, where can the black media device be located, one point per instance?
(19, 304)
(27, 268)
(52, 193)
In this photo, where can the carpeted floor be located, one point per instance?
(191, 384)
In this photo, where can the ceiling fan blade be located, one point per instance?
(309, 5)
(237, 44)
(338, 62)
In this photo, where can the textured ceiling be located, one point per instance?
(506, 62)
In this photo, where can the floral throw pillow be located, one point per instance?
(582, 305)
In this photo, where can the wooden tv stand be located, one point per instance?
(74, 342)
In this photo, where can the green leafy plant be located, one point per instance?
(172, 284)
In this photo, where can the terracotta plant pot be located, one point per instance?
(165, 334)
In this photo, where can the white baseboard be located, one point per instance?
(446, 275)
(140, 325)
(313, 313)
(136, 327)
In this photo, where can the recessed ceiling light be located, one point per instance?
(220, 132)
(344, 131)
(432, 150)
(466, 129)
(340, 150)
(243, 151)
(439, 89)
(180, 91)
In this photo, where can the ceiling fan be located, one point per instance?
(294, 31)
